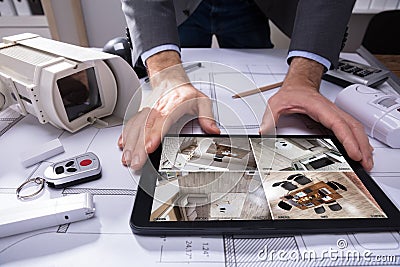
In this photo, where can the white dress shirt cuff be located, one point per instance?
(312, 56)
(145, 55)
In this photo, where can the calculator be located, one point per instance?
(350, 72)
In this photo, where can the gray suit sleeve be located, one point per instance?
(151, 23)
(320, 27)
(316, 26)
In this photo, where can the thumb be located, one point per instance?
(269, 120)
(209, 125)
(152, 132)
(206, 116)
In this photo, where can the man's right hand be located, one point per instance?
(143, 132)
(173, 97)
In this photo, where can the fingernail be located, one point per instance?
(370, 163)
(148, 145)
(127, 156)
(215, 127)
(262, 129)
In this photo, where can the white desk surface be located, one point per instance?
(107, 240)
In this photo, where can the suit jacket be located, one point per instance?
(316, 26)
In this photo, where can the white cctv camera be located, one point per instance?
(63, 84)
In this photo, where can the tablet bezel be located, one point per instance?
(141, 224)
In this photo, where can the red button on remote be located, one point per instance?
(85, 162)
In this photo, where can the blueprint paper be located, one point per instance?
(109, 234)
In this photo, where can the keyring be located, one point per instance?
(38, 180)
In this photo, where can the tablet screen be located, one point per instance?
(252, 178)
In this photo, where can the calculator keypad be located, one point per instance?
(349, 72)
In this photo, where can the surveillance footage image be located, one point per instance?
(305, 154)
(316, 195)
(207, 154)
(310, 179)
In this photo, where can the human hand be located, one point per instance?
(173, 97)
(299, 94)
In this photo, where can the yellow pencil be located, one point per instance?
(257, 90)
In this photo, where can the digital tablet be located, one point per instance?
(216, 184)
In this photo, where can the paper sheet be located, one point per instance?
(109, 234)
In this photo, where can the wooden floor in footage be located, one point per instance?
(355, 202)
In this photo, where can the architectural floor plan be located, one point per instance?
(109, 234)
